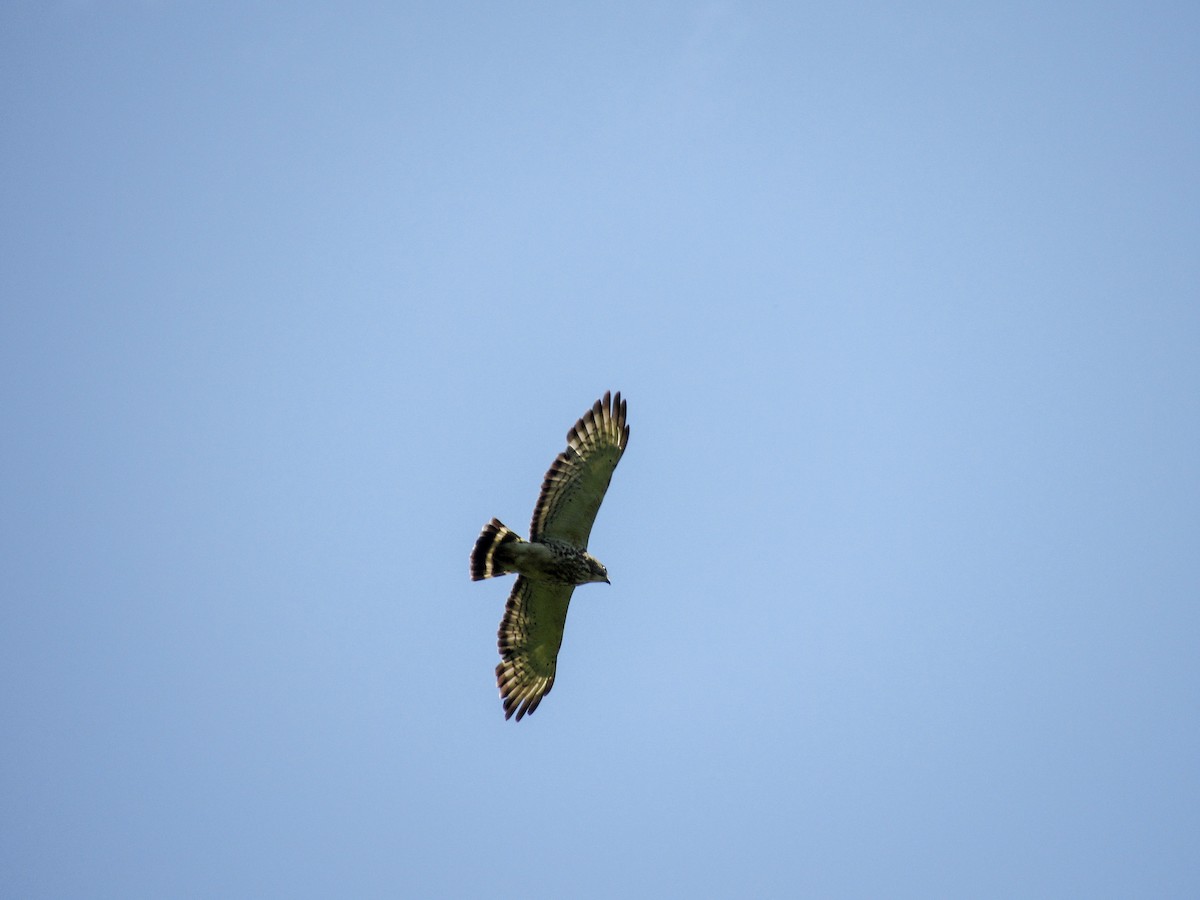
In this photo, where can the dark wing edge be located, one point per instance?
(530, 634)
(574, 486)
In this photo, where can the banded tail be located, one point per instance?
(491, 556)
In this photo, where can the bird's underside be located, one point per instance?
(555, 559)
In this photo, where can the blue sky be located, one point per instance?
(905, 301)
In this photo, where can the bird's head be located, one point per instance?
(596, 570)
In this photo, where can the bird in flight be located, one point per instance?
(555, 559)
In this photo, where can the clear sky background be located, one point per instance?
(905, 549)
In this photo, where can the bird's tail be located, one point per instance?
(492, 556)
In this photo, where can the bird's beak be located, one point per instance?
(606, 581)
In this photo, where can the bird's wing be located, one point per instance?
(530, 634)
(574, 487)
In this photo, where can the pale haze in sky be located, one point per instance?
(905, 548)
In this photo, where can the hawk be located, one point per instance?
(555, 559)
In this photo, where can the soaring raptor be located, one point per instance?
(554, 559)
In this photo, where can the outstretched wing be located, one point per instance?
(530, 634)
(574, 487)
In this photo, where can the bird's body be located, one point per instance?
(499, 552)
(555, 559)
